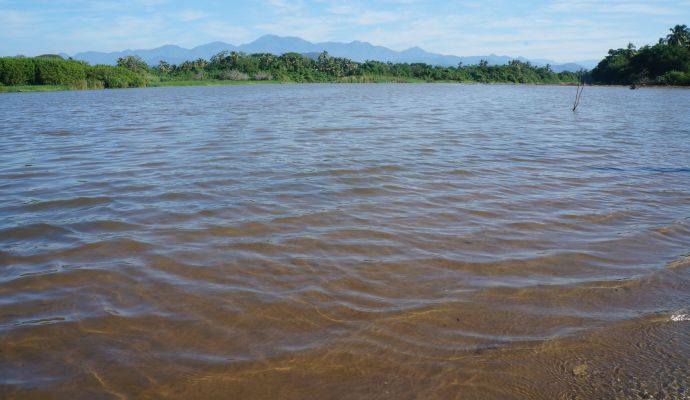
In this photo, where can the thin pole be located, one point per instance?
(578, 94)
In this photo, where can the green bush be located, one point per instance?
(17, 71)
(54, 70)
(665, 63)
(114, 77)
(50, 71)
(675, 78)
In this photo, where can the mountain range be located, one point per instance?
(356, 51)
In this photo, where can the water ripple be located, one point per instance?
(345, 241)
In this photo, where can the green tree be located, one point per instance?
(133, 63)
(164, 67)
(52, 71)
(665, 63)
(109, 77)
(679, 36)
(17, 71)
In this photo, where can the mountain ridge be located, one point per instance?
(355, 50)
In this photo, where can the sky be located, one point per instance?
(559, 30)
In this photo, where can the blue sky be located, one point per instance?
(561, 30)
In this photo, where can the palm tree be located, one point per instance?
(679, 36)
(164, 67)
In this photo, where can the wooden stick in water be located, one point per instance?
(578, 94)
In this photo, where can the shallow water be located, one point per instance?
(345, 241)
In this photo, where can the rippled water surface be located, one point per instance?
(345, 241)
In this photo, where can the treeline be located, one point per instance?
(295, 67)
(54, 70)
(131, 71)
(665, 63)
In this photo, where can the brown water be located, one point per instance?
(345, 241)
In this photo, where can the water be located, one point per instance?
(345, 241)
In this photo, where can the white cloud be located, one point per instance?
(190, 15)
(618, 7)
(223, 31)
(290, 6)
(17, 23)
(374, 17)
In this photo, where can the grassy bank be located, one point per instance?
(210, 82)
(382, 80)
(216, 82)
(33, 88)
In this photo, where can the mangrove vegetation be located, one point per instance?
(665, 63)
(53, 70)
(234, 67)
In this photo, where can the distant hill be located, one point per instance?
(170, 53)
(356, 51)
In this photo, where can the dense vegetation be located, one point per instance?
(54, 70)
(232, 66)
(294, 67)
(665, 63)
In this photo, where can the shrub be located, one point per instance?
(115, 77)
(17, 71)
(233, 75)
(262, 76)
(52, 71)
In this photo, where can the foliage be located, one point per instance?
(132, 71)
(132, 63)
(54, 70)
(679, 36)
(665, 63)
(110, 77)
(51, 71)
(295, 67)
(233, 75)
(17, 71)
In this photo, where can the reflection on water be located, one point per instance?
(345, 241)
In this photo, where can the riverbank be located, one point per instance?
(212, 82)
(215, 82)
(55, 88)
(218, 82)
(34, 88)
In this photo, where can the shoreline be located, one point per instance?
(62, 88)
